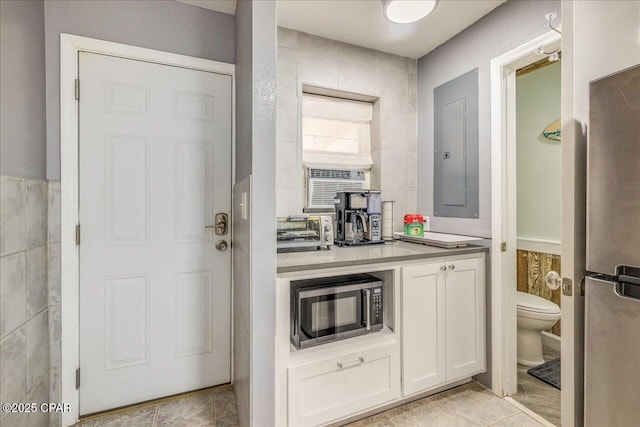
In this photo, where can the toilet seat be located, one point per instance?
(535, 304)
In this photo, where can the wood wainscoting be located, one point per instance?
(532, 267)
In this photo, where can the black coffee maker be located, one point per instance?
(358, 217)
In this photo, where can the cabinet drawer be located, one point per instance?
(335, 388)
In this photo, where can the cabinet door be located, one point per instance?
(423, 323)
(331, 389)
(465, 318)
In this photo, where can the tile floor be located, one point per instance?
(211, 407)
(537, 395)
(467, 405)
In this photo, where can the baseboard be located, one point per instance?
(551, 340)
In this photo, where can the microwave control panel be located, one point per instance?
(376, 306)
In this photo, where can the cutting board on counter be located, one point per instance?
(441, 240)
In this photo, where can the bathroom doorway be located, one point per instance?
(504, 260)
(538, 231)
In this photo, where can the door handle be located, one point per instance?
(553, 280)
(360, 361)
(221, 224)
(221, 245)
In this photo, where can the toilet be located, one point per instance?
(535, 314)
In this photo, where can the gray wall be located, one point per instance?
(163, 25)
(24, 314)
(255, 265)
(505, 28)
(22, 83)
(244, 88)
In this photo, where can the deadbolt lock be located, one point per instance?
(221, 224)
(221, 245)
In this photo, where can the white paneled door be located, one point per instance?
(155, 168)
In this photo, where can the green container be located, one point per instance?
(414, 229)
(413, 225)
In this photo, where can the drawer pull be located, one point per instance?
(354, 363)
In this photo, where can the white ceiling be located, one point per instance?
(361, 22)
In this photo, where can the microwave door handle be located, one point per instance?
(367, 293)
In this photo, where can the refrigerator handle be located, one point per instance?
(629, 279)
(628, 282)
(628, 289)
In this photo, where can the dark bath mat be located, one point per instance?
(549, 372)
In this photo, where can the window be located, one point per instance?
(336, 132)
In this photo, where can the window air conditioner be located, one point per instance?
(323, 184)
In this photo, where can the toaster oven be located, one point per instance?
(304, 232)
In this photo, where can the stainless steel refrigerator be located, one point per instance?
(612, 290)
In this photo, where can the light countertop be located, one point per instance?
(368, 254)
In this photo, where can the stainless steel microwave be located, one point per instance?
(334, 308)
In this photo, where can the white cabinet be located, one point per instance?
(464, 318)
(443, 323)
(327, 390)
(423, 319)
(434, 335)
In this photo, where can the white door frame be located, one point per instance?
(70, 46)
(504, 376)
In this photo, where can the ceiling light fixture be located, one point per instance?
(406, 11)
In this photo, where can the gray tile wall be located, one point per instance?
(24, 313)
(316, 61)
